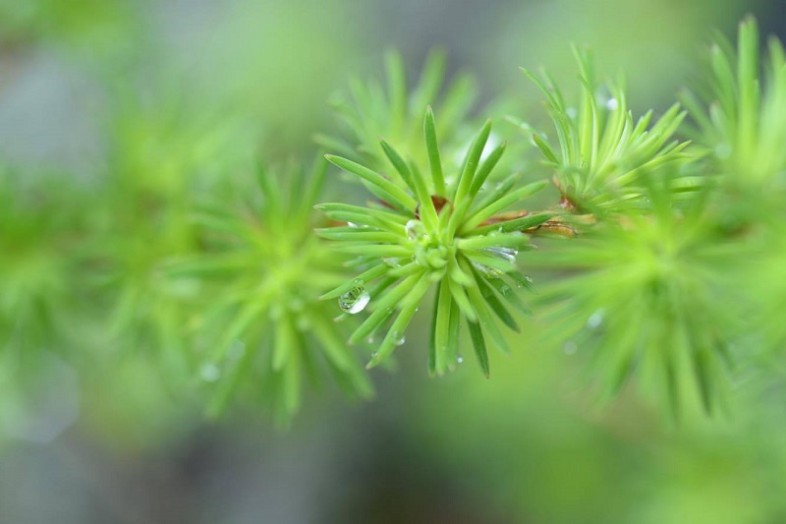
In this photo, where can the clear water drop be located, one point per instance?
(491, 272)
(355, 300)
(596, 319)
(398, 338)
(415, 229)
(612, 104)
(570, 347)
(392, 261)
(352, 225)
(210, 372)
(508, 253)
(460, 360)
(571, 112)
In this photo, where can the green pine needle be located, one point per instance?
(438, 231)
(262, 275)
(740, 116)
(647, 296)
(601, 150)
(395, 112)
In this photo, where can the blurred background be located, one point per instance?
(90, 89)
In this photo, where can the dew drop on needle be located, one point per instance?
(210, 372)
(354, 301)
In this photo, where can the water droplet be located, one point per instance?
(596, 319)
(210, 372)
(492, 272)
(415, 229)
(612, 104)
(370, 339)
(460, 360)
(571, 112)
(392, 261)
(398, 338)
(353, 225)
(570, 347)
(508, 253)
(354, 301)
(506, 290)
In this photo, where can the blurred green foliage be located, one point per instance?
(180, 275)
